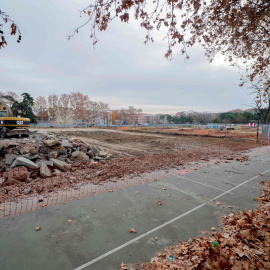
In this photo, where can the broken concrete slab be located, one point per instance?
(47, 162)
(61, 164)
(34, 157)
(21, 161)
(44, 170)
(79, 156)
(94, 150)
(51, 143)
(103, 154)
(66, 144)
(9, 158)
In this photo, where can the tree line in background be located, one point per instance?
(70, 107)
(67, 107)
(204, 118)
(131, 116)
(77, 106)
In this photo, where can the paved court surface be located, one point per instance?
(101, 239)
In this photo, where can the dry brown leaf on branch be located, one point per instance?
(132, 230)
(160, 202)
(38, 228)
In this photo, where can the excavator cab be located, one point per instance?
(10, 126)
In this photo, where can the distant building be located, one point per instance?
(149, 119)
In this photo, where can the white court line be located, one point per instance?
(202, 183)
(161, 226)
(182, 191)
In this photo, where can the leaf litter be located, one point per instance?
(242, 243)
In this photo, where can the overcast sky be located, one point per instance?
(121, 70)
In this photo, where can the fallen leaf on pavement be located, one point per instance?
(164, 188)
(69, 220)
(160, 202)
(94, 210)
(217, 203)
(132, 230)
(156, 238)
(43, 205)
(38, 228)
(123, 266)
(243, 243)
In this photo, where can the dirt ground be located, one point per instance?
(132, 154)
(242, 132)
(123, 143)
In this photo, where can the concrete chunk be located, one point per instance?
(9, 158)
(79, 156)
(67, 144)
(94, 150)
(44, 170)
(21, 161)
(61, 164)
(47, 162)
(51, 143)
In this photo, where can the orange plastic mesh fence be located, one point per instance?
(123, 128)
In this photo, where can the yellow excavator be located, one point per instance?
(10, 125)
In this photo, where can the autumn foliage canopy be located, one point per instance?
(237, 29)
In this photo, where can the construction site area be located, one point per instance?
(56, 165)
(101, 197)
(123, 142)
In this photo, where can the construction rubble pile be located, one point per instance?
(43, 155)
(47, 163)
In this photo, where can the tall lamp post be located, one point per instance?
(259, 117)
